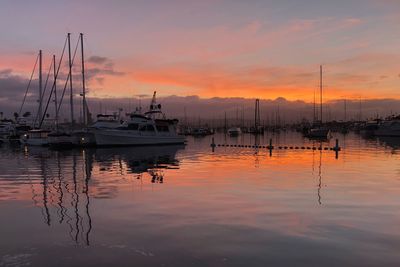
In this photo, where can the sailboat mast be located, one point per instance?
(71, 97)
(40, 111)
(55, 90)
(320, 88)
(83, 85)
(255, 116)
(225, 123)
(314, 110)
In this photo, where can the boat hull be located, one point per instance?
(124, 138)
(84, 138)
(60, 140)
(319, 133)
(387, 132)
(35, 142)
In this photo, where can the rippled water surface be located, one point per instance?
(190, 206)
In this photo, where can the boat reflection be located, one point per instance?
(318, 173)
(392, 142)
(138, 160)
(66, 183)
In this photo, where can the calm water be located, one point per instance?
(189, 206)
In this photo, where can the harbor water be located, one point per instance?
(191, 206)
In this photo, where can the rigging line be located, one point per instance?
(54, 82)
(44, 91)
(29, 84)
(66, 81)
(48, 100)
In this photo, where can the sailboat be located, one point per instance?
(60, 138)
(318, 130)
(38, 136)
(234, 131)
(150, 128)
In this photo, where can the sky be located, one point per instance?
(228, 49)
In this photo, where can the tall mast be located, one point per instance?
(345, 110)
(255, 116)
(320, 88)
(83, 85)
(40, 86)
(225, 123)
(314, 110)
(185, 116)
(55, 90)
(71, 97)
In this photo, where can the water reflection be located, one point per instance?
(62, 184)
(236, 206)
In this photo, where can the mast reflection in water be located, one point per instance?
(184, 206)
(63, 185)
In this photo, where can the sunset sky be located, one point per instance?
(249, 49)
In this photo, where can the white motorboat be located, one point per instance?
(151, 128)
(106, 121)
(86, 137)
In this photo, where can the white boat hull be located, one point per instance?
(127, 138)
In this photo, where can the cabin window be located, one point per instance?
(133, 126)
(142, 128)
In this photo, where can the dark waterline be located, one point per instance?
(189, 206)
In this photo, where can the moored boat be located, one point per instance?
(388, 128)
(60, 139)
(36, 137)
(234, 131)
(319, 132)
(151, 128)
